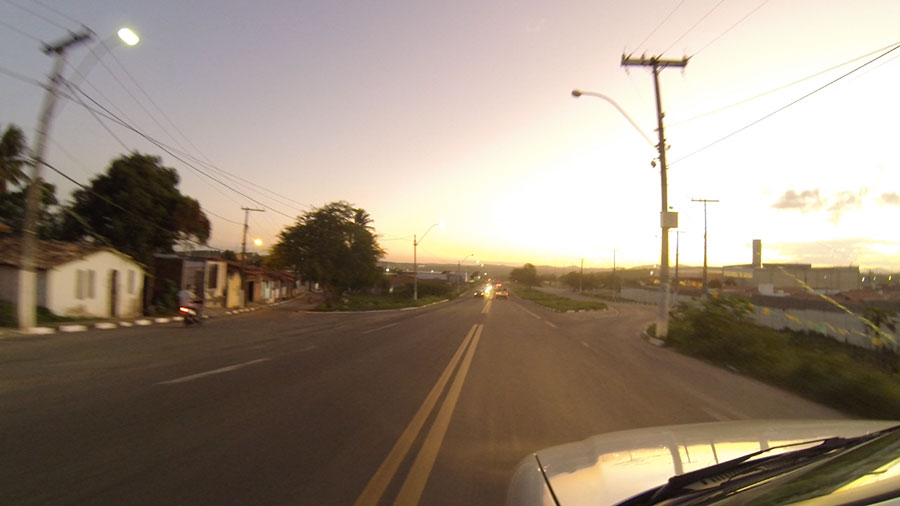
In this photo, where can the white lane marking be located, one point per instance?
(379, 482)
(215, 371)
(529, 312)
(586, 345)
(411, 491)
(381, 328)
(548, 323)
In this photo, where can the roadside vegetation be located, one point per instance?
(857, 381)
(429, 292)
(8, 317)
(555, 302)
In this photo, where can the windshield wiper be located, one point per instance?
(743, 471)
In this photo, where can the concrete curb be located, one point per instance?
(109, 325)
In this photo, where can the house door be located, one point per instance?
(113, 293)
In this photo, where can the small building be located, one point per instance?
(209, 278)
(76, 279)
(794, 278)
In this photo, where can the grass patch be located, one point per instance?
(555, 302)
(9, 317)
(369, 302)
(855, 380)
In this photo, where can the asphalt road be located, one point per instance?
(432, 406)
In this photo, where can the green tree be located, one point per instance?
(137, 208)
(12, 158)
(333, 245)
(526, 275)
(12, 211)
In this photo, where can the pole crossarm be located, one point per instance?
(654, 61)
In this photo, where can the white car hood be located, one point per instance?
(609, 468)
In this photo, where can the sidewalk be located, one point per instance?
(305, 301)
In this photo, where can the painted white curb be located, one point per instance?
(142, 322)
(105, 325)
(40, 330)
(126, 324)
(162, 320)
(72, 328)
(178, 318)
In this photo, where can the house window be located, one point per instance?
(213, 276)
(90, 283)
(79, 284)
(130, 281)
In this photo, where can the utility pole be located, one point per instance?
(27, 293)
(667, 219)
(244, 253)
(705, 201)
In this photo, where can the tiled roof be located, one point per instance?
(49, 253)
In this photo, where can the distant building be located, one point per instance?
(794, 278)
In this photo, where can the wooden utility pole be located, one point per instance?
(705, 201)
(667, 219)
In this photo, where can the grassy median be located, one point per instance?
(368, 302)
(855, 380)
(555, 302)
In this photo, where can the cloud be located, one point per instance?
(845, 201)
(889, 199)
(850, 251)
(837, 204)
(808, 200)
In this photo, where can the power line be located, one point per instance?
(689, 30)
(38, 15)
(58, 12)
(21, 32)
(20, 77)
(758, 7)
(102, 124)
(173, 154)
(660, 24)
(780, 88)
(114, 204)
(767, 116)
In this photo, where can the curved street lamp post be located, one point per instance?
(416, 260)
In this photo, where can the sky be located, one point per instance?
(461, 113)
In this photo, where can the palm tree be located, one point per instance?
(12, 157)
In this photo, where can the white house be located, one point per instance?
(76, 279)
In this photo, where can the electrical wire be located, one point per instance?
(115, 204)
(38, 15)
(732, 27)
(776, 111)
(58, 12)
(102, 124)
(20, 77)
(21, 32)
(689, 30)
(780, 88)
(174, 155)
(661, 23)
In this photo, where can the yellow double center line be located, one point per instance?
(415, 481)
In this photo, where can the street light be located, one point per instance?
(458, 264)
(27, 293)
(416, 259)
(667, 219)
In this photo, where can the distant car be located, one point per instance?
(742, 462)
(479, 292)
(501, 292)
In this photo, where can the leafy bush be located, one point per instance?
(855, 380)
